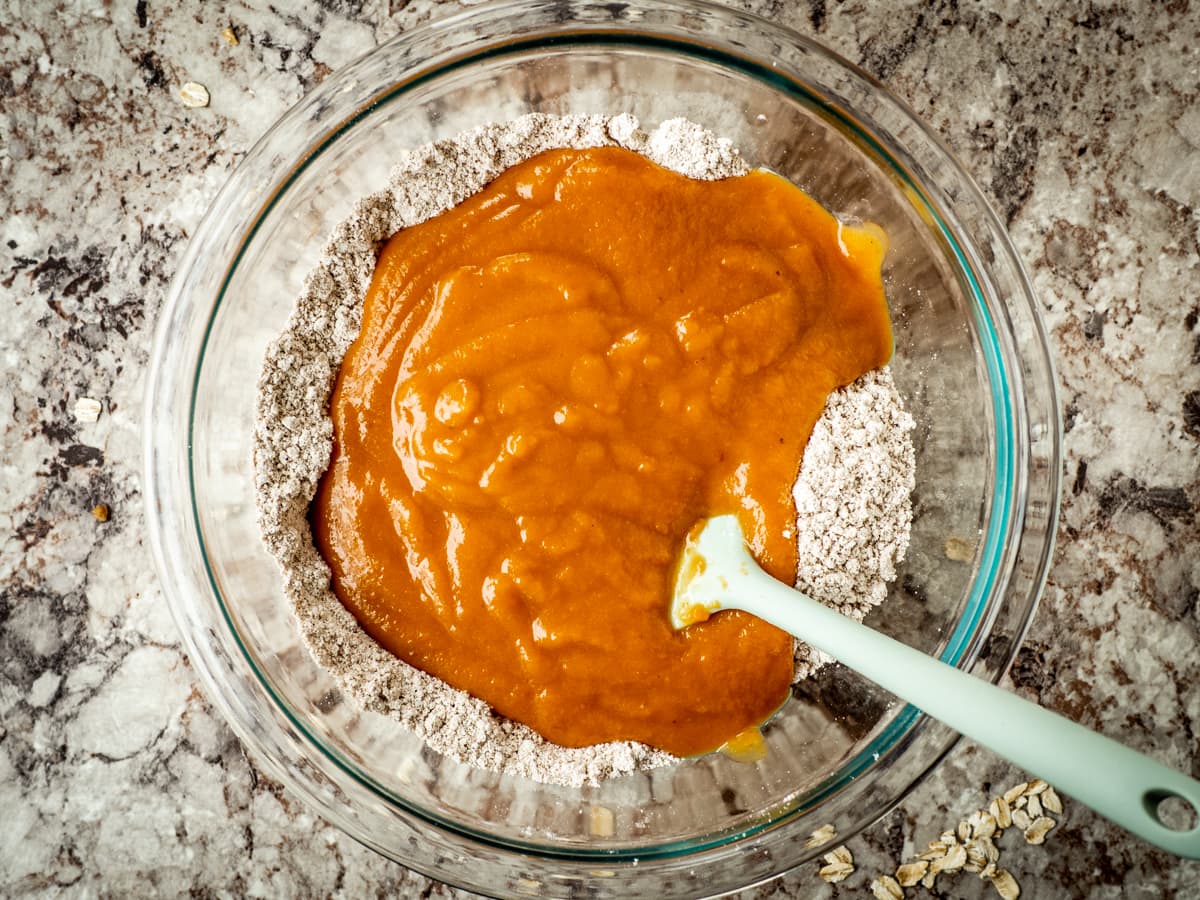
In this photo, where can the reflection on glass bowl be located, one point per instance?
(971, 362)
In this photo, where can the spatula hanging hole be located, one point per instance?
(1172, 810)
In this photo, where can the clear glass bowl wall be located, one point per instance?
(971, 362)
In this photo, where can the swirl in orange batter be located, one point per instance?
(555, 380)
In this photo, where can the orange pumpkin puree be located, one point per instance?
(555, 380)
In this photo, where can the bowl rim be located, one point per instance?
(964, 643)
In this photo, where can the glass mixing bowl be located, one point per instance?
(971, 362)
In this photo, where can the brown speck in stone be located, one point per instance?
(1080, 477)
(1191, 408)
(995, 652)
(1069, 415)
(816, 13)
(100, 511)
(1029, 670)
(1093, 326)
(152, 70)
(32, 531)
(81, 455)
(1074, 698)
(1164, 503)
(1012, 172)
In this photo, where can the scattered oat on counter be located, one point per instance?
(958, 550)
(229, 35)
(1006, 886)
(1051, 801)
(839, 865)
(911, 873)
(971, 845)
(968, 847)
(100, 511)
(603, 821)
(87, 409)
(194, 95)
(821, 836)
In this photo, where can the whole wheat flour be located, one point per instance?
(854, 502)
(856, 486)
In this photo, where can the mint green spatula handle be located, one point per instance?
(1120, 784)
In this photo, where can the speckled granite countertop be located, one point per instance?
(116, 777)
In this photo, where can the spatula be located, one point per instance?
(717, 572)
